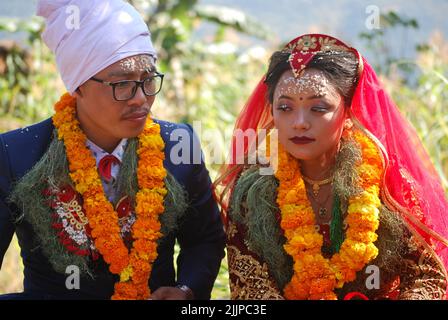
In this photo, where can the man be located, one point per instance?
(93, 194)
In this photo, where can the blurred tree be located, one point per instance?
(383, 51)
(418, 84)
(187, 58)
(28, 74)
(425, 102)
(207, 79)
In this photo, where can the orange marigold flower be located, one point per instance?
(102, 217)
(315, 277)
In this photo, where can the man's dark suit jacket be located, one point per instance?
(201, 237)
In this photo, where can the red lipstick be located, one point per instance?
(301, 140)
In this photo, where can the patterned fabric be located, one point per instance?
(68, 216)
(249, 275)
(422, 276)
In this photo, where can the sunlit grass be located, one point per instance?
(11, 275)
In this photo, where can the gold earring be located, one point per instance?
(347, 132)
(348, 124)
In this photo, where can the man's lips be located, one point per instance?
(301, 140)
(136, 115)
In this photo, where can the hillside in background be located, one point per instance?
(287, 18)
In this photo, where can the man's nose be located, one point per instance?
(139, 98)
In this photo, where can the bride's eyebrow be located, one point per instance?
(316, 96)
(284, 97)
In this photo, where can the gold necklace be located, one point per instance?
(322, 210)
(316, 184)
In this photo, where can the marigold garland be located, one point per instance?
(134, 267)
(316, 277)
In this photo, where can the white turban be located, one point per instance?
(87, 36)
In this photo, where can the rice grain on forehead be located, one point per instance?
(339, 68)
(312, 83)
(137, 63)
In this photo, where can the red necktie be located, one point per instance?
(105, 166)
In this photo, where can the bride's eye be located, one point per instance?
(320, 108)
(283, 107)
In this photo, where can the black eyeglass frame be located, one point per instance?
(137, 84)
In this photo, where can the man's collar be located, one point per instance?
(99, 153)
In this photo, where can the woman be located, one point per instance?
(354, 209)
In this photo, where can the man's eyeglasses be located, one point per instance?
(125, 89)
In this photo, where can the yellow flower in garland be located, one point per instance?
(134, 267)
(316, 277)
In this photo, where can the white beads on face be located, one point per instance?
(139, 63)
(311, 83)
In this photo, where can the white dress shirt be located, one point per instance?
(110, 188)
